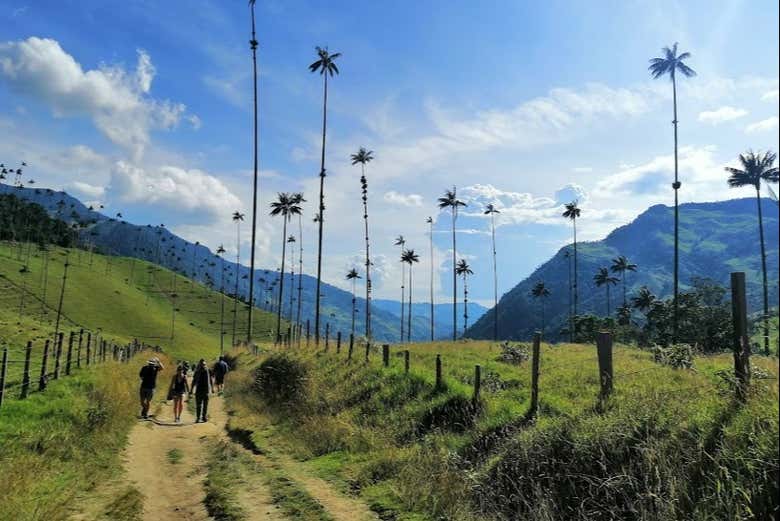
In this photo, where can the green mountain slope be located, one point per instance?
(716, 239)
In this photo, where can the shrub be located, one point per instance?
(456, 414)
(679, 356)
(280, 380)
(513, 354)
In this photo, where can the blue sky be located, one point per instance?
(145, 107)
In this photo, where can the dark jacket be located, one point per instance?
(201, 381)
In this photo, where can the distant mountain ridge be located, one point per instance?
(715, 239)
(159, 245)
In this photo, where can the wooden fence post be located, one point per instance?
(116, 353)
(368, 350)
(535, 375)
(406, 361)
(386, 355)
(351, 346)
(44, 359)
(741, 342)
(26, 374)
(438, 372)
(604, 348)
(338, 342)
(3, 370)
(89, 347)
(58, 355)
(477, 382)
(78, 349)
(327, 335)
(69, 357)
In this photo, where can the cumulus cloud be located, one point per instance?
(394, 197)
(87, 189)
(191, 191)
(772, 95)
(764, 125)
(517, 207)
(116, 100)
(721, 115)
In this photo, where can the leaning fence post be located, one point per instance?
(26, 374)
(44, 359)
(69, 357)
(3, 370)
(535, 375)
(338, 342)
(438, 372)
(604, 348)
(351, 346)
(406, 361)
(386, 355)
(78, 349)
(741, 343)
(58, 354)
(477, 382)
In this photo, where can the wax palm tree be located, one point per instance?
(572, 212)
(621, 265)
(238, 217)
(253, 47)
(291, 241)
(540, 292)
(462, 268)
(326, 66)
(363, 157)
(352, 276)
(429, 220)
(568, 256)
(409, 257)
(670, 64)
(401, 242)
(756, 168)
(286, 206)
(603, 278)
(220, 251)
(298, 199)
(491, 210)
(451, 201)
(643, 300)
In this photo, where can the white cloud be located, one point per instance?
(517, 208)
(394, 197)
(772, 95)
(195, 121)
(116, 100)
(721, 115)
(764, 125)
(192, 191)
(582, 169)
(87, 189)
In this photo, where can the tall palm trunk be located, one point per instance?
(576, 291)
(253, 45)
(368, 260)
(221, 305)
(432, 306)
(465, 305)
(495, 279)
(409, 311)
(353, 308)
(403, 298)
(454, 282)
(763, 271)
(281, 280)
(322, 211)
(571, 303)
(676, 187)
(235, 296)
(300, 269)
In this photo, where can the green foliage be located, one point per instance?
(281, 380)
(30, 222)
(513, 354)
(679, 356)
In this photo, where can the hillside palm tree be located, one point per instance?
(286, 206)
(255, 188)
(621, 265)
(451, 201)
(400, 241)
(429, 220)
(603, 278)
(298, 199)
(540, 292)
(643, 300)
(670, 64)
(220, 251)
(462, 268)
(490, 210)
(326, 66)
(572, 212)
(568, 256)
(409, 257)
(291, 241)
(352, 276)
(756, 168)
(237, 218)
(364, 156)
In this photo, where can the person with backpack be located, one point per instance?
(148, 376)
(201, 387)
(179, 386)
(221, 368)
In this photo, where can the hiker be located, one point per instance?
(178, 388)
(221, 368)
(148, 376)
(201, 387)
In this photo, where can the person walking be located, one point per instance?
(179, 386)
(221, 368)
(201, 387)
(148, 376)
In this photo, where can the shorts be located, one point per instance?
(219, 379)
(146, 394)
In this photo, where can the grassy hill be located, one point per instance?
(715, 240)
(668, 444)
